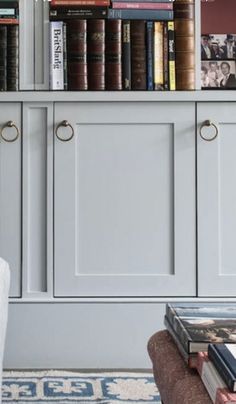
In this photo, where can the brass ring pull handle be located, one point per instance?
(65, 124)
(208, 123)
(9, 124)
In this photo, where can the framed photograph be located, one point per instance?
(218, 74)
(218, 46)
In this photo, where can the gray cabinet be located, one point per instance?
(217, 199)
(11, 191)
(124, 201)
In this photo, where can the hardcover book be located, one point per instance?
(190, 359)
(138, 55)
(77, 54)
(197, 326)
(126, 55)
(213, 382)
(139, 14)
(96, 54)
(56, 56)
(224, 358)
(113, 48)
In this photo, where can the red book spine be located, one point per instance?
(7, 21)
(96, 54)
(77, 55)
(113, 55)
(71, 3)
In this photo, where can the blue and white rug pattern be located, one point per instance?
(74, 387)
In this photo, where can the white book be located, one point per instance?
(56, 56)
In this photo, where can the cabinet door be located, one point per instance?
(124, 199)
(217, 199)
(10, 192)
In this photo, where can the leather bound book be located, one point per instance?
(185, 38)
(96, 54)
(113, 48)
(126, 55)
(3, 58)
(13, 58)
(77, 55)
(138, 55)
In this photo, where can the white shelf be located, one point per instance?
(118, 96)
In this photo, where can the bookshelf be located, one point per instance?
(131, 144)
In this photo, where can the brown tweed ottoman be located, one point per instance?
(177, 383)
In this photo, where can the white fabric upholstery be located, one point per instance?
(4, 290)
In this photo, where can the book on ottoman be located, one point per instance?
(198, 325)
(224, 358)
(213, 382)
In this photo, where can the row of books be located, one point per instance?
(103, 54)
(9, 45)
(206, 339)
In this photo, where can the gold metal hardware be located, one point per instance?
(64, 124)
(208, 124)
(9, 124)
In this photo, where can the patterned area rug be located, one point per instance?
(73, 387)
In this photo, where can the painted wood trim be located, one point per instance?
(41, 44)
(26, 51)
(37, 150)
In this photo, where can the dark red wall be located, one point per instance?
(219, 17)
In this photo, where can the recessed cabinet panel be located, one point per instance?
(10, 191)
(118, 200)
(216, 199)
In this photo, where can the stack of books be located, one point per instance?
(9, 46)
(206, 339)
(127, 46)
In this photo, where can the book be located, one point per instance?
(158, 15)
(190, 359)
(82, 12)
(13, 58)
(165, 57)
(197, 326)
(213, 382)
(144, 1)
(138, 55)
(8, 21)
(150, 44)
(171, 55)
(69, 4)
(185, 38)
(3, 58)
(224, 358)
(77, 55)
(56, 56)
(142, 5)
(113, 46)
(158, 56)
(126, 55)
(96, 54)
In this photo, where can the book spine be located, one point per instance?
(209, 376)
(126, 55)
(220, 365)
(144, 1)
(165, 57)
(158, 56)
(95, 13)
(150, 75)
(113, 46)
(96, 54)
(9, 4)
(61, 5)
(77, 55)
(3, 58)
(184, 33)
(158, 15)
(171, 57)
(8, 21)
(65, 63)
(56, 56)
(138, 55)
(13, 58)
(142, 5)
(72, 3)
(190, 359)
